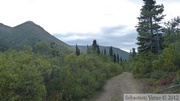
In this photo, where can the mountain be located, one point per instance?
(4, 34)
(4, 28)
(28, 33)
(122, 54)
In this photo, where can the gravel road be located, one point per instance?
(119, 85)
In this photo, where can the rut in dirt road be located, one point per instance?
(119, 85)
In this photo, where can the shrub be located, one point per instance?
(176, 80)
(20, 79)
(158, 74)
(162, 81)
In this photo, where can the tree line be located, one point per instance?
(95, 48)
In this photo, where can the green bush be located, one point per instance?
(167, 61)
(143, 63)
(40, 76)
(158, 74)
(177, 78)
(80, 76)
(20, 79)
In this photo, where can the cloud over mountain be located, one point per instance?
(116, 36)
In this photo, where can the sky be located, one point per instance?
(110, 22)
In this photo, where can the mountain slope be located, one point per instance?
(123, 54)
(4, 35)
(29, 33)
(5, 28)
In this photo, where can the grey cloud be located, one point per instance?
(69, 34)
(124, 42)
(108, 36)
(80, 42)
(87, 41)
(114, 29)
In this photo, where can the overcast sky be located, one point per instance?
(110, 22)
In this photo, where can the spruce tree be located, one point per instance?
(133, 52)
(111, 52)
(172, 31)
(114, 57)
(94, 44)
(77, 50)
(88, 50)
(148, 28)
(98, 50)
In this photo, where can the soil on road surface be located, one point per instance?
(116, 87)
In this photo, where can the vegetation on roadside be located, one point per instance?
(159, 46)
(42, 73)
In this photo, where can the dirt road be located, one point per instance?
(119, 85)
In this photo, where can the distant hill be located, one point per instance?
(28, 33)
(123, 54)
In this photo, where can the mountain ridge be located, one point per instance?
(4, 27)
(28, 33)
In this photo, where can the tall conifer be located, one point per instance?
(148, 28)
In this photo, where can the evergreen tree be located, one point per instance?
(114, 57)
(98, 50)
(88, 50)
(94, 44)
(148, 28)
(111, 52)
(95, 47)
(77, 50)
(133, 52)
(172, 31)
